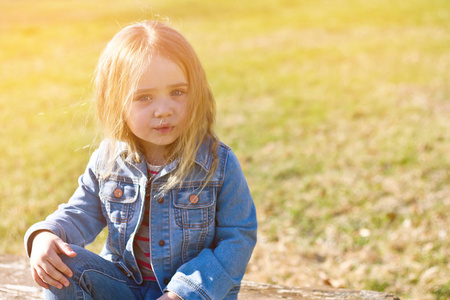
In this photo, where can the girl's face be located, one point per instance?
(159, 109)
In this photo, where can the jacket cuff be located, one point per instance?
(186, 289)
(40, 226)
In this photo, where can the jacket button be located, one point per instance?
(193, 199)
(118, 193)
(166, 281)
(161, 200)
(162, 243)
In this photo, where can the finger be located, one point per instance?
(38, 279)
(47, 278)
(65, 248)
(55, 274)
(60, 266)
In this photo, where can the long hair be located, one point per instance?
(118, 72)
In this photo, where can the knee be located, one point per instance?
(80, 262)
(78, 249)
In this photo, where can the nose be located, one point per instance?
(163, 108)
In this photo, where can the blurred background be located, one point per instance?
(338, 111)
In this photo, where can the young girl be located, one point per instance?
(181, 220)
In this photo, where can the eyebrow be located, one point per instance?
(180, 84)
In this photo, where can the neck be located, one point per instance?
(154, 154)
(155, 160)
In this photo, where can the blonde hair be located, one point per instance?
(118, 72)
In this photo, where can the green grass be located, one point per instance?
(338, 111)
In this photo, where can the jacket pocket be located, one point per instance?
(119, 195)
(193, 207)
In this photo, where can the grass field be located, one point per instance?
(339, 112)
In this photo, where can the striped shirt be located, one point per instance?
(142, 240)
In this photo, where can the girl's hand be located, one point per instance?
(169, 296)
(47, 268)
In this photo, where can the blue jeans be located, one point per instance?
(97, 278)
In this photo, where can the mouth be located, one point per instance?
(164, 128)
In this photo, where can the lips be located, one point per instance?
(164, 128)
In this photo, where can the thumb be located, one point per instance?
(65, 248)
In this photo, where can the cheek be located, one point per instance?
(131, 126)
(136, 120)
(183, 112)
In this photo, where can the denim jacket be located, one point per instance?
(201, 239)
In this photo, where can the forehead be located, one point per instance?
(161, 72)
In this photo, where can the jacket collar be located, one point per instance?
(204, 157)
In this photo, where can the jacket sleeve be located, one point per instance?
(81, 219)
(216, 272)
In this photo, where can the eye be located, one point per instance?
(143, 98)
(178, 93)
